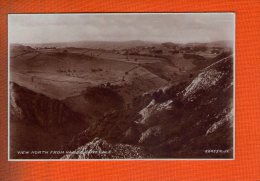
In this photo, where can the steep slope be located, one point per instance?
(39, 109)
(196, 119)
(39, 123)
(191, 119)
(95, 101)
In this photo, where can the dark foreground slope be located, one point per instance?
(187, 120)
(38, 123)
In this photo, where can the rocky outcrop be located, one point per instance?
(151, 136)
(226, 119)
(101, 149)
(152, 107)
(203, 81)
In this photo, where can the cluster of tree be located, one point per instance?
(200, 48)
(49, 48)
(193, 56)
(158, 51)
(66, 71)
(195, 48)
(96, 70)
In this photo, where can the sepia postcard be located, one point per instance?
(121, 86)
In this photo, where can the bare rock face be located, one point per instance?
(204, 81)
(151, 135)
(226, 119)
(101, 149)
(15, 110)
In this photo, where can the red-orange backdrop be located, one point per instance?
(246, 165)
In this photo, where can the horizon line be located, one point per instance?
(120, 41)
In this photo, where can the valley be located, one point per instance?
(129, 99)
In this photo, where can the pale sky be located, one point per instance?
(178, 27)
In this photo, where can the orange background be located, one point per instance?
(246, 165)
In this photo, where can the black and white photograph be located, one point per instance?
(121, 86)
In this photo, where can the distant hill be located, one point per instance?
(20, 47)
(223, 43)
(109, 45)
(98, 44)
